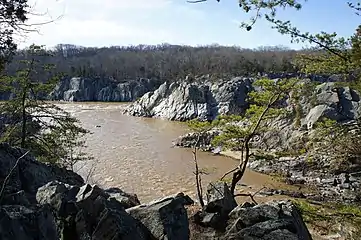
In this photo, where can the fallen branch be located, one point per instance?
(250, 195)
(9, 175)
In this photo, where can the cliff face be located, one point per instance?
(191, 99)
(102, 89)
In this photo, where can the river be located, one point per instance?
(136, 154)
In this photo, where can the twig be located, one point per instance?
(229, 172)
(250, 195)
(9, 175)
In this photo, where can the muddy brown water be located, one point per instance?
(136, 154)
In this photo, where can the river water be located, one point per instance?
(136, 154)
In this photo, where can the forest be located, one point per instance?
(162, 61)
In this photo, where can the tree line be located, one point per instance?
(163, 61)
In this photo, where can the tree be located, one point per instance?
(330, 54)
(242, 131)
(12, 19)
(49, 132)
(329, 46)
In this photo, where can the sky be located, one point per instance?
(98, 23)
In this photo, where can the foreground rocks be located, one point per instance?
(44, 202)
(193, 98)
(102, 89)
(221, 218)
(29, 175)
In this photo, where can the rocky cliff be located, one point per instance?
(341, 104)
(194, 98)
(278, 146)
(44, 202)
(102, 89)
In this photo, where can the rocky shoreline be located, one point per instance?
(305, 168)
(294, 170)
(47, 202)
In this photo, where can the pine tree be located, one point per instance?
(48, 131)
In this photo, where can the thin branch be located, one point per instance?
(250, 195)
(229, 172)
(9, 175)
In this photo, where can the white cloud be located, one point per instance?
(106, 22)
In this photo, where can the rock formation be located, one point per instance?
(102, 89)
(341, 104)
(222, 219)
(46, 202)
(193, 98)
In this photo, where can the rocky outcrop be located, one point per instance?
(49, 203)
(29, 174)
(337, 103)
(88, 212)
(272, 220)
(189, 140)
(193, 98)
(46, 202)
(165, 218)
(27, 223)
(102, 89)
(221, 218)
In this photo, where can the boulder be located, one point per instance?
(88, 212)
(220, 202)
(189, 140)
(27, 223)
(165, 218)
(30, 174)
(272, 220)
(126, 200)
(219, 199)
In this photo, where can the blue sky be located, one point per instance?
(130, 22)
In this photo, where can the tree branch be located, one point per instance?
(197, 174)
(9, 175)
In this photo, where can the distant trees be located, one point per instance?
(165, 61)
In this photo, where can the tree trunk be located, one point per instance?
(23, 121)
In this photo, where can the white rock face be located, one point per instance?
(188, 100)
(102, 89)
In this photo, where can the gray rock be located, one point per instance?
(126, 199)
(30, 174)
(21, 223)
(88, 212)
(119, 225)
(219, 199)
(198, 99)
(249, 216)
(273, 220)
(165, 218)
(102, 89)
(189, 140)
